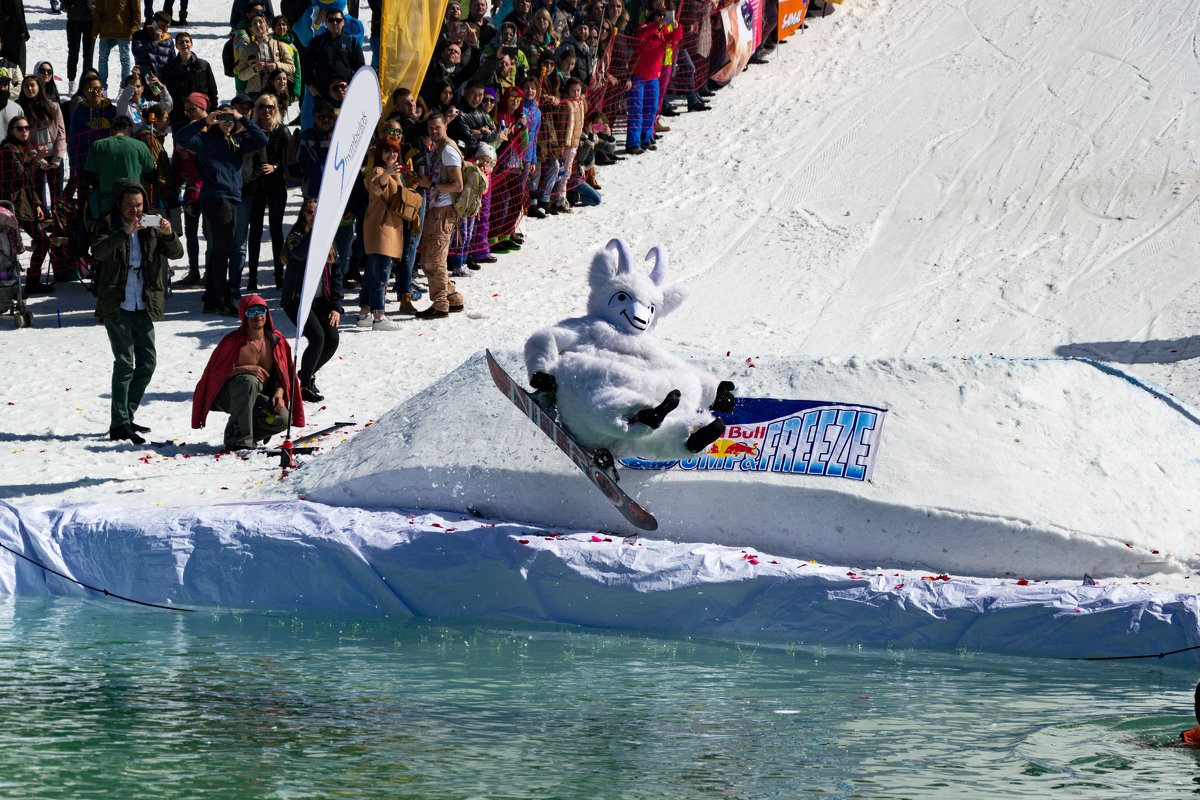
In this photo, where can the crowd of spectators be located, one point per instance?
(522, 103)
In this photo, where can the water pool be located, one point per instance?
(104, 700)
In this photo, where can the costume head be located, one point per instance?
(627, 299)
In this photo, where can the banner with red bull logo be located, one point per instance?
(797, 437)
(791, 16)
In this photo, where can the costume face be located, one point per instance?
(628, 314)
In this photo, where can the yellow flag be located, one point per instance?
(407, 37)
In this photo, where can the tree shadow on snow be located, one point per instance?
(1155, 351)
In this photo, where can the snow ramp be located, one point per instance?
(986, 466)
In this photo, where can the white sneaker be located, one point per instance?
(384, 324)
(366, 322)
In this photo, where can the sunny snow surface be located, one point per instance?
(904, 185)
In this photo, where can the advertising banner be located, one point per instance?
(791, 16)
(347, 149)
(743, 34)
(406, 40)
(797, 437)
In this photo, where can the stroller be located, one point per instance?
(12, 298)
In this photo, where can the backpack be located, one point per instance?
(469, 201)
(229, 58)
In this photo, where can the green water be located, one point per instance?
(102, 700)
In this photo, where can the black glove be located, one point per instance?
(541, 382)
(724, 400)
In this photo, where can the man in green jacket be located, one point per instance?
(130, 293)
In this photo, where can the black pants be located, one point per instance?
(80, 32)
(270, 195)
(321, 338)
(219, 217)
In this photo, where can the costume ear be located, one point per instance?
(604, 266)
(673, 297)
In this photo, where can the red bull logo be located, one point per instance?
(724, 448)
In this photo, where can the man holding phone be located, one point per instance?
(131, 291)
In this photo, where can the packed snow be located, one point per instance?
(923, 207)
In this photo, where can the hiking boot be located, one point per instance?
(432, 313)
(634, 151)
(310, 393)
(406, 306)
(456, 309)
(660, 128)
(123, 433)
(537, 212)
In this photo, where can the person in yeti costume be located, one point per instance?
(618, 390)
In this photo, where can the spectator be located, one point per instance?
(532, 173)
(79, 37)
(185, 74)
(385, 231)
(268, 188)
(475, 247)
(250, 377)
(649, 51)
(573, 111)
(18, 185)
(115, 22)
(44, 72)
(338, 86)
(13, 33)
(331, 53)
(444, 180)
(321, 327)
(90, 121)
(445, 68)
(539, 37)
(259, 54)
(507, 183)
(577, 42)
(49, 136)
(549, 144)
(252, 161)
(130, 297)
(404, 111)
(165, 192)
(113, 158)
(474, 125)
(153, 47)
(485, 31)
(187, 174)
(282, 87)
(169, 9)
(140, 92)
(219, 141)
(520, 16)
(313, 147)
(441, 98)
(498, 73)
(282, 32)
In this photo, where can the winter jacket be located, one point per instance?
(79, 10)
(49, 138)
(311, 151)
(117, 19)
(574, 111)
(166, 185)
(470, 119)
(181, 79)
(88, 125)
(151, 52)
(17, 179)
(110, 247)
(275, 153)
(224, 359)
(651, 48)
(220, 160)
(383, 229)
(251, 51)
(326, 57)
(533, 116)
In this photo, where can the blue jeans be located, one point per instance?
(374, 285)
(411, 241)
(241, 232)
(124, 52)
(583, 195)
(643, 110)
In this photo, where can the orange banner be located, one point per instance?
(791, 16)
(406, 40)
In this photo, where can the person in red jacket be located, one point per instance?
(252, 378)
(649, 51)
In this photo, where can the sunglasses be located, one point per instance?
(331, 20)
(45, 71)
(392, 132)
(267, 108)
(256, 311)
(89, 90)
(323, 117)
(19, 128)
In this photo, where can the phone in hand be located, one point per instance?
(405, 169)
(151, 220)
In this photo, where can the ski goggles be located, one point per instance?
(256, 311)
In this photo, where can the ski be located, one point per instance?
(604, 478)
(311, 436)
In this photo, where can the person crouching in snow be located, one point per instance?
(617, 389)
(250, 377)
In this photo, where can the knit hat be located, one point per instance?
(199, 100)
(485, 151)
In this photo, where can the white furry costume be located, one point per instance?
(608, 365)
